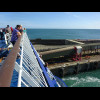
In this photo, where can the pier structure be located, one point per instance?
(52, 50)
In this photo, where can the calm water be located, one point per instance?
(64, 33)
(86, 79)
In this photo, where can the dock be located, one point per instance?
(58, 54)
(70, 68)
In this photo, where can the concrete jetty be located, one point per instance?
(48, 51)
(51, 49)
(69, 68)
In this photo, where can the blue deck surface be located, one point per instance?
(14, 80)
(3, 53)
(2, 43)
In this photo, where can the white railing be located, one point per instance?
(31, 69)
(30, 73)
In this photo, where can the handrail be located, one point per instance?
(29, 71)
(30, 68)
(6, 70)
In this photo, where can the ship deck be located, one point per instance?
(3, 53)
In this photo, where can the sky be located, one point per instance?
(51, 20)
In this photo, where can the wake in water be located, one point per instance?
(87, 79)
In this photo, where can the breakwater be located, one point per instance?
(56, 48)
(55, 41)
(71, 68)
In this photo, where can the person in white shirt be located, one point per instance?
(7, 37)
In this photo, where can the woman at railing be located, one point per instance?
(15, 35)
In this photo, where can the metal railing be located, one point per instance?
(30, 73)
(30, 67)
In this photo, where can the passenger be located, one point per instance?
(9, 30)
(21, 30)
(1, 33)
(15, 34)
(7, 37)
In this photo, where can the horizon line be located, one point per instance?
(62, 28)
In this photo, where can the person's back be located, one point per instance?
(15, 34)
(8, 29)
(21, 30)
(11, 29)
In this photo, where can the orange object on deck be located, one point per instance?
(0, 60)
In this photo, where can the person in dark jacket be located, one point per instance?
(1, 33)
(8, 29)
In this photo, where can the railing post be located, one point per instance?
(20, 71)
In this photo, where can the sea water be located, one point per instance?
(85, 79)
(64, 33)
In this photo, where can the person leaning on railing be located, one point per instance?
(21, 29)
(15, 34)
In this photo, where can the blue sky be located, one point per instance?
(58, 20)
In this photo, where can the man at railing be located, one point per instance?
(21, 30)
(15, 34)
(8, 29)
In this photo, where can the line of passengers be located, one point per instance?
(10, 34)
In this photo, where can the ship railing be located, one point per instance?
(30, 67)
(6, 70)
(30, 73)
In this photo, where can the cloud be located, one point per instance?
(76, 16)
(72, 14)
(68, 13)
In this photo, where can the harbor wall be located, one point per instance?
(70, 51)
(89, 46)
(75, 68)
(89, 40)
(54, 41)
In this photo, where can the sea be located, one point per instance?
(85, 79)
(63, 33)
